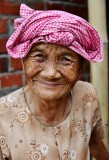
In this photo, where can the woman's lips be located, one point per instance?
(49, 83)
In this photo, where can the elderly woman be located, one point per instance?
(55, 116)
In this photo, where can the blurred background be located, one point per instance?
(94, 11)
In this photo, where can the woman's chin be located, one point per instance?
(48, 94)
(51, 92)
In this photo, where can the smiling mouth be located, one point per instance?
(48, 83)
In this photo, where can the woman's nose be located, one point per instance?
(50, 71)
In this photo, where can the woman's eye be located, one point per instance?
(66, 59)
(39, 57)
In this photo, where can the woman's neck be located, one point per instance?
(50, 112)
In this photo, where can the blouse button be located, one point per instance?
(88, 104)
(57, 130)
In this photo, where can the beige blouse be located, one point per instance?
(22, 137)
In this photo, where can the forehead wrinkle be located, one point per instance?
(40, 46)
(52, 50)
(60, 50)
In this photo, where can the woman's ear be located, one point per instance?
(82, 68)
(85, 69)
(83, 64)
(22, 61)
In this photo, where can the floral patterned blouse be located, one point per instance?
(22, 137)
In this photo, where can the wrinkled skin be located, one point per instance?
(51, 71)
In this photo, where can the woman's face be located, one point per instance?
(51, 70)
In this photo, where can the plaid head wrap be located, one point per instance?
(57, 27)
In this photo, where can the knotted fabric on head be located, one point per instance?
(57, 27)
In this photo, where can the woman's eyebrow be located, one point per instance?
(37, 49)
(67, 53)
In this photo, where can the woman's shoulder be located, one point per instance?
(84, 90)
(11, 100)
(11, 97)
(83, 86)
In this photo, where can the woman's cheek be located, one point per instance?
(71, 73)
(31, 69)
(71, 76)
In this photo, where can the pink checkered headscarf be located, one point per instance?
(57, 27)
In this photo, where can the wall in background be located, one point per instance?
(11, 74)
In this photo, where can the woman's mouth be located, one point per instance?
(49, 83)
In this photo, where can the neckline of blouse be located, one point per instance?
(44, 125)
